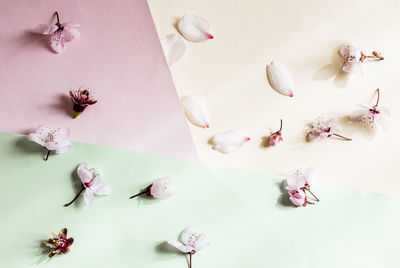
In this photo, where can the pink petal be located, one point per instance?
(194, 28)
(45, 29)
(58, 42)
(174, 47)
(70, 34)
(84, 174)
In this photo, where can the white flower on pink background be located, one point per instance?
(191, 242)
(173, 46)
(354, 57)
(194, 28)
(160, 189)
(229, 141)
(53, 139)
(196, 111)
(280, 78)
(371, 116)
(297, 184)
(91, 184)
(276, 137)
(323, 128)
(61, 33)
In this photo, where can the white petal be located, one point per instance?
(174, 47)
(187, 234)
(36, 138)
(58, 42)
(229, 141)
(383, 121)
(161, 188)
(70, 34)
(294, 182)
(310, 174)
(194, 28)
(63, 147)
(100, 188)
(180, 246)
(196, 110)
(351, 67)
(45, 29)
(280, 79)
(201, 243)
(350, 51)
(358, 115)
(88, 196)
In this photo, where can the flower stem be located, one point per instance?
(133, 196)
(190, 259)
(76, 197)
(340, 136)
(58, 18)
(47, 156)
(281, 127)
(316, 198)
(377, 100)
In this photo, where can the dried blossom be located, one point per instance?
(81, 98)
(59, 243)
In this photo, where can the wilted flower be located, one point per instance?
(59, 243)
(354, 57)
(322, 128)
(91, 184)
(159, 189)
(192, 241)
(276, 137)
(371, 116)
(53, 139)
(297, 185)
(81, 99)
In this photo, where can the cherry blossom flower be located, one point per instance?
(371, 116)
(174, 47)
(280, 78)
(354, 57)
(323, 128)
(194, 28)
(196, 110)
(297, 185)
(81, 98)
(192, 241)
(91, 184)
(229, 141)
(61, 33)
(59, 243)
(53, 139)
(276, 137)
(159, 189)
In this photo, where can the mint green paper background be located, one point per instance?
(238, 210)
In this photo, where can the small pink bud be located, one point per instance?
(275, 139)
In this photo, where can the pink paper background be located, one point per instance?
(118, 55)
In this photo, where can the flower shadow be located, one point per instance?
(26, 146)
(356, 127)
(41, 251)
(333, 70)
(63, 105)
(29, 38)
(264, 142)
(283, 200)
(165, 251)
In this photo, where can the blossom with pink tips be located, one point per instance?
(354, 57)
(159, 189)
(229, 141)
(194, 28)
(323, 128)
(276, 137)
(61, 33)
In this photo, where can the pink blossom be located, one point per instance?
(297, 184)
(297, 197)
(354, 57)
(323, 128)
(276, 137)
(61, 33)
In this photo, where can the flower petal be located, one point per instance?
(100, 188)
(36, 138)
(351, 67)
(84, 174)
(229, 141)
(88, 196)
(174, 47)
(294, 182)
(71, 34)
(63, 147)
(187, 235)
(196, 110)
(180, 246)
(358, 115)
(58, 42)
(280, 79)
(350, 53)
(194, 28)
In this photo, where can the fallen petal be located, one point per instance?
(280, 79)
(174, 47)
(229, 141)
(196, 110)
(194, 28)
